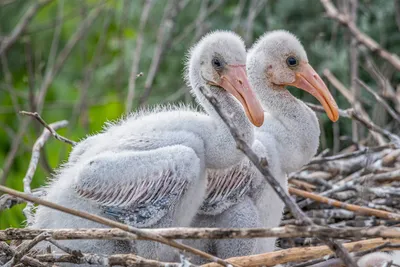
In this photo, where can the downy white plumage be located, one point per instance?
(289, 138)
(148, 170)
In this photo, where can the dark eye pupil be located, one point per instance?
(216, 63)
(292, 61)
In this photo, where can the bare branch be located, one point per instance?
(16, 141)
(111, 223)
(22, 24)
(256, 6)
(35, 159)
(361, 37)
(191, 27)
(397, 12)
(64, 54)
(361, 116)
(136, 55)
(24, 249)
(7, 201)
(288, 231)
(339, 204)
(28, 261)
(362, 151)
(393, 113)
(48, 79)
(354, 65)
(49, 128)
(167, 25)
(238, 14)
(112, 260)
(302, 254)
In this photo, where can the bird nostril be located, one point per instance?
(240, 81)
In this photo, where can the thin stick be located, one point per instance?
(7, 201)
(112, 260)
(22, 24)
(354, 66)
(351, 98)
(111, 223)
(28, 261)
(342, 205)
(361, 37)
(391, 111)
(289, 231)
(64, 54)
(49, 128)
(262, 166)
(351, 114)
(167, 25)
(302, 254)
(76, 253)
(362, 151)
(35, 159)
(136, 55)
(24, 249)
(51, 72)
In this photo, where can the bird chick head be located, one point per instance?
(219, 60)
(280, 60)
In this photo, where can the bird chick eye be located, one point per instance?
(217, 63)
(292, 62)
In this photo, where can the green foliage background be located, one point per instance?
(327, 44)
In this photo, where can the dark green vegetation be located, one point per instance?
(91, 85)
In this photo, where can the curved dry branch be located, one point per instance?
(49, 130)
(111, 223)
(22, 25)
(361, 37)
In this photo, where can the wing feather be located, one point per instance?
(139, 203)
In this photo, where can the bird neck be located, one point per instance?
(292, 123)
(279, 102)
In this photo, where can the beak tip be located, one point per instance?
(334, 117)
(258, 121)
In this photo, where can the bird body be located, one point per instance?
(148, 170)
(288, 139)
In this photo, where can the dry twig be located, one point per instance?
(22, 25)
(111, 223)
(35, 158)
(24, 249)
(49, 128)
(51, 72)
(387, 107)
(302, 254)
(167, 25)
(136, 56)
(112, 260)
(289, 231)
(339, 204)
(361, 37)
(352, 114)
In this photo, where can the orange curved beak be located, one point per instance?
(308, 80)
(234, 80)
